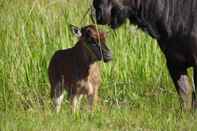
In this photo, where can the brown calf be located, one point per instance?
(75, 69)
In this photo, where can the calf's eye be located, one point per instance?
(94, 44)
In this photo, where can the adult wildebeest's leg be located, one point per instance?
(195, 87)
(57, 94)
(181, 81)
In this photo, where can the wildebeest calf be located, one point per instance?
(75, 69)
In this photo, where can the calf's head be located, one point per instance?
(111, 12)
(93, 41)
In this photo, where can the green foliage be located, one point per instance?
(136, 93)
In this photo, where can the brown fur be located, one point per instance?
(75, 69)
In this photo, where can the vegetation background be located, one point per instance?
(136, 94)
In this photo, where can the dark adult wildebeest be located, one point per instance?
(173, 23)
(75, 69)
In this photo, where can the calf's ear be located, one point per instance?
(76, 31)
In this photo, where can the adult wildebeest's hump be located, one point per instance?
(172, 22)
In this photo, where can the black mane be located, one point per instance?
(165, 18)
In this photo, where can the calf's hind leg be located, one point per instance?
(57, 94)
(75, 101)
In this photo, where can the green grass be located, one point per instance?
(136, 94)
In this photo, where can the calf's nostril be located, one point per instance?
(108, 55)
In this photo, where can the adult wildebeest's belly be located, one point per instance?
(181, 52)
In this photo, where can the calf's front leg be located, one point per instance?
(92, 99)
